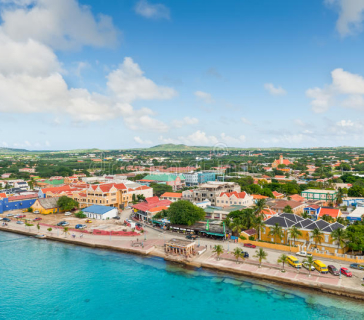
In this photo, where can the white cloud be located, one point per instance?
(128, 83)
(245, 121)
(351, 16)
(275, 91)
(152, 11)
(201, 138)
(60, 24)
(346, 90)
(205, 96)
(185, 122)
(141, 141)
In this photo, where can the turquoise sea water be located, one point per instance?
(40, 279)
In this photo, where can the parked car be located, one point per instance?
(357, 266)
(246, 254)
(68, 214)
(6, 219)
(249, 245)
(346, 272)
(64, 224)
(117, 218)
(19, 222)
(36, 211)
(333, 270)
(307, 266)
(80, 226)
(10, 215)
(60, 223)
(88, 221)
(37, 219)
(303, 254)
(21, 216)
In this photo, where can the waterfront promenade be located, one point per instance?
(152, 243)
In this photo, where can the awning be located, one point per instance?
(157, 222)
(214, 234)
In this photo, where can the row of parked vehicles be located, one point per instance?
(320, 266)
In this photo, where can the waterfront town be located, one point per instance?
(292, 215)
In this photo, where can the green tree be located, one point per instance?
(218, 250)
(184, 212)
(309, 260)
(317, 236)
(31, 183)
(80, 215)
(287, 209)
(283, 259)
(259, 206)
(237, 254)
(340, 236)
(38, 227)
(276, 231)
(50, 230)
(328, 218)
(159, 189)
(259, 225)
(65, 231)
(294, 233)
(261, 255)
(66, 204)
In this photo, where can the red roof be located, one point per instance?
(107, 186)
(28, 196)
(171, 195)
(277, 194)
(157, 209)
(259, 196)
(240, 195)
(2, 195)
(56, 189)
(297, 197)
(332, 212)
(150, 203)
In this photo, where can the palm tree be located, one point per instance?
(65, 231)
(259, 225)
(342, 221)
(339, 197)
(218, 250)
(276, 231)
(317, 236)
(237, 225)
(294, 233)
(237, 253)
(309, 261)
(305, 215)
(340, 236)
(283, 259)
(261, 255)
(259, 206)
(31, 183)
(248, 218)
(38, 227)
(328, 218)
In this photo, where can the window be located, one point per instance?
(326, 238)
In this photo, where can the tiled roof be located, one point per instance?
(151, 203)
(332, 212)
(239, 195)
(56, 189)
(259, 196)
(49, 203)
(292, 217)
(277, 194)
(333, 227)
(171, 195)
(23, 197)
(2, 195)
(320, 224)
(282, 221)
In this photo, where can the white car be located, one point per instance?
(306, 266)
(68, 214)
(9, 215)
(36, 211)
(303, 254)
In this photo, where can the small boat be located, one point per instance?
(40, 236)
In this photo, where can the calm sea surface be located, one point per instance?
(40, 279)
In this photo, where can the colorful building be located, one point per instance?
(281, 160)
(306, 226)
(24, 201)
(46, 205)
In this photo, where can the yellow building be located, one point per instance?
(305, 242)
(46, 205)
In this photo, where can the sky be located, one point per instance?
(78, 74)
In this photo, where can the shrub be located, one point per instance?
(80, 215)
(30, 209)
(252, 238)
(242, 238)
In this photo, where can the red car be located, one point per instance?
(21, 216)
(37, 219)
(346, 272)
(249, 245)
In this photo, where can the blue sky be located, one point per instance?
(137, 73)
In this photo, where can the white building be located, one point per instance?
(227, 199)
(100, 212)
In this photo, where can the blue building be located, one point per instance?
(196, 178)
(17, 202)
